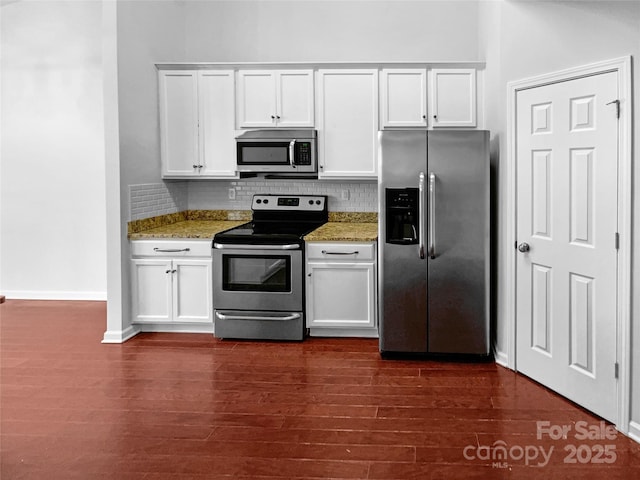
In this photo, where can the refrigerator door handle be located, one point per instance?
(432, 215)
(421, 216)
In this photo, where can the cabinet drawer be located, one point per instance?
(171, 248)
(348, 251)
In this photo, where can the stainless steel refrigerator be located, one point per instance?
(434, 234)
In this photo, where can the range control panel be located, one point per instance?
(301, 203)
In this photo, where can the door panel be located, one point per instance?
(540, 314)
(192, 291)
(567, 214)
(179, 122)
(217, 134)
(151, 282)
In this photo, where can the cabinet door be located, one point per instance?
(348, 123)
(179, 123)
(151, 287)
(341, 294)
(256, 98)
(295, 98)
(404, 97)
(217, 124)
(454, 97)
(192, 291)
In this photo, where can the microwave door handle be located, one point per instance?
(292, 153)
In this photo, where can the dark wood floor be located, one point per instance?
(168, 406)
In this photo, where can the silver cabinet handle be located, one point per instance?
(325, 252)
(292, 153)
(284, 318)
(421, 216)
(432, 215)
(171, 250)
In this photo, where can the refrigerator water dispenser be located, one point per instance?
(402, 213)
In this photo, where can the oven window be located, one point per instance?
(267, 153)
(256, 273)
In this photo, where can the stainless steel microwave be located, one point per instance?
(277, 152)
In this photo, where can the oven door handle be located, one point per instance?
(284, 318)
(292, 246)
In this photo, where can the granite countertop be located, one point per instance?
(342, 226)
(187, 229)
(345, 232)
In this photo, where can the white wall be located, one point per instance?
(52, 155)
(321, 30)
(522, 39)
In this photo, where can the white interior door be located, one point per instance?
(567, 201)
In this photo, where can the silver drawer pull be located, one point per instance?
(325, 252)
(171, 250)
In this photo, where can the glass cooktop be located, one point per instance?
(273, 233)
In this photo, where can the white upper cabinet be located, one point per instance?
(453, 97)
(217, 132)
(179, 123)
(197, 123)
(403, 97)
(275, 98)
(347, 123)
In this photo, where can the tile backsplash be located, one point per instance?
(153, 199)
(169, 197)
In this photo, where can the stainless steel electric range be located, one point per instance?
(258, 269)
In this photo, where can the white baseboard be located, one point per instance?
(120, 336)
(634, 431)
(176, 328)
(344, 332)
(501, 358)
(54, 295)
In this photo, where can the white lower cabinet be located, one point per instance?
(341, 289)
(171, 285)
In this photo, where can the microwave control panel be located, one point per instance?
(303, 153)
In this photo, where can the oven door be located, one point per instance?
(264, 155)
(257, 278)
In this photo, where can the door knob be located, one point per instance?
(524, 247)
